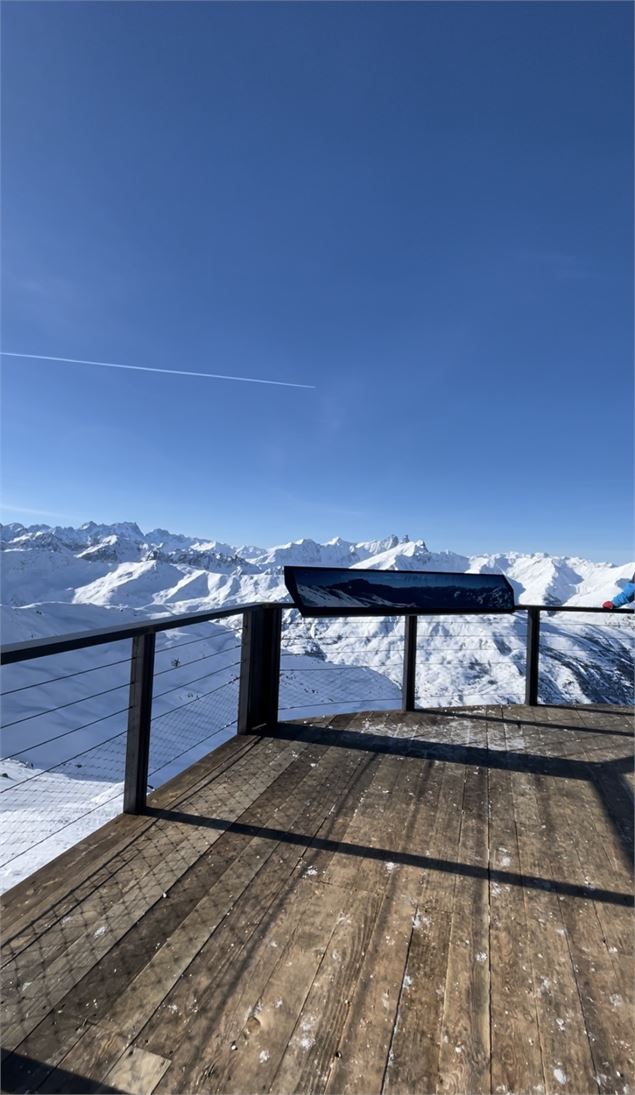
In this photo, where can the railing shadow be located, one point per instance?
(509, 720)
(17, 1068)
(391, 855)
(613, 789)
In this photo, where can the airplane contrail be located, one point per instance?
(150, 369)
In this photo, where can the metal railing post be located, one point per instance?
(139, 721)
(260, 669)
(533, 656)
(409, 664)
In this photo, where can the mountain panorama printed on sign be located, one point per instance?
(329, 591)
(63, 769)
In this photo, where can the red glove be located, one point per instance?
(608, 604)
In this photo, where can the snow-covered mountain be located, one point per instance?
(65, 716)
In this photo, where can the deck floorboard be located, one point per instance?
(439, 901)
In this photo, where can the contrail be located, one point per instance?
(150, 369)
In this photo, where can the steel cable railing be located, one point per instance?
(212, 693)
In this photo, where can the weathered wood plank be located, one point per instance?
(413, 1051)
(250, 1061)
(92, 1056)
(516, 1062)
(143, 995)
(151, 849)
(577, 849)
(137, 1072)
(245, 949)
(208, 1060)
(464, 1056)
(312, 1046)
(565, 1049)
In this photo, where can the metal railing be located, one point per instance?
(259, 671)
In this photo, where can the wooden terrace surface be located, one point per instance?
(433, 902)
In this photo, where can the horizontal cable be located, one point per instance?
(65, 826)
(97, 745)
(192, 746)
(336, 703)
(116, 688)
(201, 639)
(330, 667)
(173, 710)
(186, 684)
(65, 676)
(63, 706)
(193, 661)
(61, 763)
(111, 797)
(74, 730)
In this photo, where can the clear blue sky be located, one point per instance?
(425, 210)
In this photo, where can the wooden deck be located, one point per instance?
(438, 902)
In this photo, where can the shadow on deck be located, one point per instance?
(425, 902)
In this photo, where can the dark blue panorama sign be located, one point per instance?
(331, 591)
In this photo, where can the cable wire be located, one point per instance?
(206, 657)
(74, 730)
(63, 706)
(173, 710)
(186, 684)
(65, 676)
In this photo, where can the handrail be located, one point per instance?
(61, 644)
(574, 608)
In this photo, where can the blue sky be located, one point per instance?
(424, 210)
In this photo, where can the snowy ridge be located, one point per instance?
(65, 716)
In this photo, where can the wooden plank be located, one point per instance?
(516, 1062)
(605, 986)
(37, 1057)
(313, 1043)
(105, 982)
(601, 861)
(322, 849)
(236, 953)
(566, 1056)
(249, 1060)
(147, 843)
(111, 873)
(137, 1072)
(404, 926)
(413, 1059)
(372, 827)
(387, 817)
(464, 1055)
(227, 1015)
(31, 964)
(143, 995)
(83, 1068)
(247, 890)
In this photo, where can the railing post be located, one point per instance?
(409, 664)
(260, 669)
(139, 720)
(533, 655)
